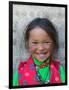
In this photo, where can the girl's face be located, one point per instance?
(40, 44)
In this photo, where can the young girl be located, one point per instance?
(41, 41)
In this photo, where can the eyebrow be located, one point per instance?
(42, 41)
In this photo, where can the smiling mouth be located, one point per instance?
(42, 55)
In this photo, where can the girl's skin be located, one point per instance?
(40, 44)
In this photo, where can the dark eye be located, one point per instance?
(48, 42)
(35, 42)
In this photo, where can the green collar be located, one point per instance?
(39, 62)
(43, 73)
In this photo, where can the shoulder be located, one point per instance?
(57, 64)
(25, 63)
(22, 65)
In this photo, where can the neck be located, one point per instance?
(41, 64)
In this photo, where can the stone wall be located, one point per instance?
(22, 15)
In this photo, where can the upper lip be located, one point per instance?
(42, 53)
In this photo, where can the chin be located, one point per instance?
(41, 60)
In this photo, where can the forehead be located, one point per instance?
(39, 34)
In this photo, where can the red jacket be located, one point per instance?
(27, 73)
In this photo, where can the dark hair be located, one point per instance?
(46, 25)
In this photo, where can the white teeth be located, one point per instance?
(41, 53)
(42, 56)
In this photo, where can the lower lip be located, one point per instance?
(42, 56)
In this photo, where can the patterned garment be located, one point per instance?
(42, 73)
(29, 73)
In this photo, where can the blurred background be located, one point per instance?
(22, 15)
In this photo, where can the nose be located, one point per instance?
(40, 47)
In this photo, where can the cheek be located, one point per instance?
(33, 48)
(46, 46)
(49, 49)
